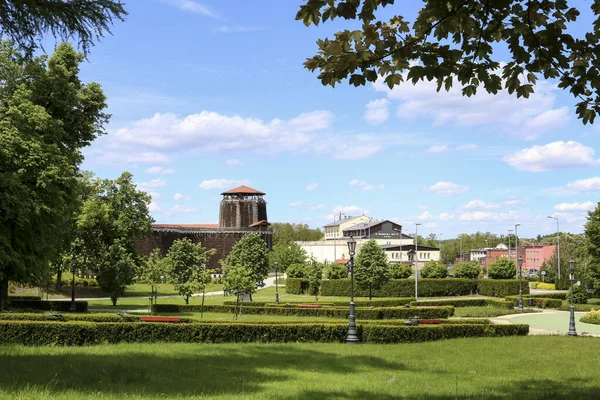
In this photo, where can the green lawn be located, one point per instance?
(212, 316)
(489, 368)
(486, 311)
(555, 321)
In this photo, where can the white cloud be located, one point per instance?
(447, 188)
(377, 111)
(588, 205)
(425, 216)
(464, 147)
(362, 185)
(232, 162)
(585, 185)
(446, 217)
(523, 118)
(478, 216)
(438, 149)
(239, 28)
(154, 183)
(160, 170)
(223, 183)
(296, 204)
(570, 217)
(179, 209)
(317, 207)
(179, 196)
(192, 6)
(129, 158)
(153, 207)
(154, 195)
(555, 155)
(312, 186)
(430, 224)
(480, 205)
(349, 210)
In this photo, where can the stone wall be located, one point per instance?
(241, 212)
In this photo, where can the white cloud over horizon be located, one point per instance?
(588, 205)
(377, 111)
(221, 183)
(585, 185)
(553, 156)
(364, 186)
(447, 188)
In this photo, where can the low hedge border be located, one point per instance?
(48, 305)
(37, 298)
(404, 288)
(398, 302)
(547, 295)
(38, 333)
(592, 317)
(332, 312)
(500, 287)
(539, 302)
(296, 285)
(465, 303)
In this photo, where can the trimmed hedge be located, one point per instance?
(466, 303)
(34, 333)
(332, 312)
(403, 288)
(535, 301)
(592, 317)
(296, 285)
(95, 317)
(50, 305)
(398, 302)
(38, 298)
(500, 287)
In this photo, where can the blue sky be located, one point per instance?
(207, 95)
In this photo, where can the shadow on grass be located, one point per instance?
(214, 371)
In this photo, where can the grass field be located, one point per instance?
(490, 368)
(488, 311)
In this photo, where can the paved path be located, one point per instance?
(550, 322)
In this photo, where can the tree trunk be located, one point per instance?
(59, 279)
(370, 293)
(187, 299)
(3, 293)
(114, 300)
(237, 304)
(202, 307)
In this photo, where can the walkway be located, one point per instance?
(550, 322)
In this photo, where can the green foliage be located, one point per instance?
(286, 233)
(371, 267)
(539, 302)
(155, 270)
(297, 271)
(94, 317)
(500, 287)
(592, 317)
(186, 262)
(47, 116)
(115, 271)
(467, 269)
(580, 295)
(336, 271)
(592, 239)
(501, 268)
(315, 276)
(51, 305)
(465, 303)
(434, 269)
(455, 43)
(571, 245)
(296, 285)
(399, 271)
(404, 288)
(286, 254)
(251, 252)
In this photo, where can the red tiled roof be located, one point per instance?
(183, 226)
(341, 261)
(259, 223)
(243, 190)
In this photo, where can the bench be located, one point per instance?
(174, 320)
(308, 306)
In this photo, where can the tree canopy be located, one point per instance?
(371, 268)
(186, 262)
(464, 42)
(434, 269)
(285, 232)
(286, 254)
(501, 268)
(592, 237)
(250, 252)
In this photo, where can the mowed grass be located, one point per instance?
(230, 317)
(488, 311)
(488, 368)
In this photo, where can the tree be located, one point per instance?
(27, 22)
(467, 269)
(186, 262)
(115, 271)
(46, 116)
(154, 272)
(239, 279)
(315, 276)
(297, 271)
(285, 233)
(501, 268)
(460, 41)
(399, 271)
(571, 245)
(286, 254)
(371, 267)
(336, 271)
(251, 252)
(434, 269)
(592, 238)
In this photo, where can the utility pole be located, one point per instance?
(517, 248)
(557, 245)
(509, 231)
(417, 260)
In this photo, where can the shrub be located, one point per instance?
(296, 285)
(580, 295)
(539, 302)
(37, 333)
(36, 298)
(592, 317)
(543, 286)
(51, 305)
(95, 317)
(404, 288)
(559, 295)
(500, 287)
(501, 268)
(336, 271)
(434, 269)
(297, 271)
(466, 303)
(467, 269)
(400, 271)
(397, 302)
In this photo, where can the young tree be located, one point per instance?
(115, 271)
(592, 238)
(251, 252)
(315, 276)
(154, 272)
(47, 116)
(285, 233)
(186, 262)
(297, 271)
(400, 271)
(371, 267)
(434, 269)
(336, 271)
(460, 41)
(571, 246)
(27, 22)
(240, 280)
(501, 268)
(467, 269)
(286, 254)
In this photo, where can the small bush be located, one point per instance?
(580, 295)
(297, 271)
(501, 268)
(399, 271)
(467, 269)
(543, 286)
(50, 305)
(36, 298)
(296, 285)
(500, 287)
(404, 288)
(592, 317)
(397, 302)
(539, 302)
(434, 269)
(95, 317)
(466, 303)
(336, 271)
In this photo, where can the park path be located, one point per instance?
(549, 322)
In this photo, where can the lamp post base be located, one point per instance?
(276, 298)
(352, 337)
(520, 302)
(73, 308)
(572, 331)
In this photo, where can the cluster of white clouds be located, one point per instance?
(157, 170)
(553, 156)
(585, 185)
(221, 183)
(444, 188)
(443, 148)
(312, 186)
(357, 184)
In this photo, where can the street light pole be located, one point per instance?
(73, 307)
(351, 337)
(557, 246)
(572, 331)
(461, 253)
(417, 260)
(486, 255)
(517, 248)
(520, 303)
(509, 231)
(276, 283)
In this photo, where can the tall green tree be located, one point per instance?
(239, 280)
(154, 272)
(460, 42)
(46, 116)
(284, 232)
(571, 246)
(251, 252)
(501, 268)
(28, 22)
(115, 270)
(186, 262)
(286, 254)
(592, 238)
(371, 267)
(315, 276)
(434, 269)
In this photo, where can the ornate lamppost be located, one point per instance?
(572, 331)
(351, 337)
(520, 303)
(276, 264)
(73, 307)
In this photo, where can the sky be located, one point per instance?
(208, 95)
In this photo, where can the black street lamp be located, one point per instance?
(572, 331)
(276, 264)
(351, 337)
(73, 308)
(520, 303)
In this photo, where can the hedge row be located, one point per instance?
(48, 305)
(500, 287)
(403, 288)
(398, 302)
(332, 312)
(296, 285)
(466, 303)
(95, 317)
(558, 295)
(538, 302)
(10, 298)
(36, 333)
